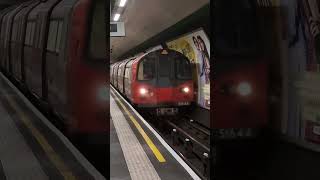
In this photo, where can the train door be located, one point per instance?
(14, 46)
(12, 38)
(6, 41)
(112, 75)
(111, 71)
(119, 77)
(35, 62)
(124, 76)
(56, 62)
(165, 77)
(2, 39)
(21, 19)
(116, 75)
(128, 79)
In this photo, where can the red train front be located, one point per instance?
(242, 97)
(240, 90)
(159, 80)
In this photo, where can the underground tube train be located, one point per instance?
(160, 81)
(55, 51)
(241, 70)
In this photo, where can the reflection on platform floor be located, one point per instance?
(267, 159)
(31, 148)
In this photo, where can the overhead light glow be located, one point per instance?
(116, 17)
(122, 3)
(244, 89)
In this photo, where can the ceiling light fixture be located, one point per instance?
(122, 3)
(116, 17)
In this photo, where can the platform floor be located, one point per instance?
(136, 150)
(266, 159)
(289, 161)
(31, 148)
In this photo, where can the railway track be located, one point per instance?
(188, 138)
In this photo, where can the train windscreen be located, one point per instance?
(235, 27)
(146, 69)
(183, 68)
(165, 64)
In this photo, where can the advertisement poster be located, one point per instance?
(308, 18)
(311, 27)
(310, 22)
(196, 46)
(311, 115)
(292, 125)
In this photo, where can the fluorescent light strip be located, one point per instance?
(122, 3)
(116, 17)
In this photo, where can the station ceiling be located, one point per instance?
(144, 19)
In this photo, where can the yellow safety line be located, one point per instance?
(55, 159)
(151, 145)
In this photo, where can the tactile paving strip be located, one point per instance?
(139, 165)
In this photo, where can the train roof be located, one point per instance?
(62, 8)
(138, 58)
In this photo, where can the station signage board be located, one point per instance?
(117, 29)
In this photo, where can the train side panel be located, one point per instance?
(120, 77)
(56, 58)
(13, 40)
(3, 34)
(17, 51)
(87, 106)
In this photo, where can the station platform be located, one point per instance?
(268, 158)
(137, 151)
(31, 148)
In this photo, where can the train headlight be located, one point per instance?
(185, 89)
(103, 93)
(244, 89)
(143, 91)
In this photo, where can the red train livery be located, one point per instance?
(55, 50)
(159, 80)
(244, 93)
(240, 89)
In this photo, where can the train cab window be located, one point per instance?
(14, 31)
(30, 31)
(98, 38)
(54, 37)
(182, 68)
(146, 69)
(126, 73)
(127, 70)
(236, 32)
(59, 35)
(119, 70)
(32, 34)
(18, 31)
(2, 30)
(164, 66)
